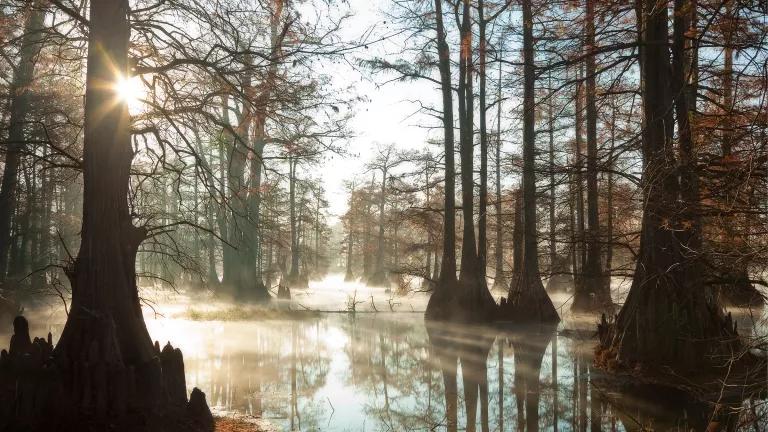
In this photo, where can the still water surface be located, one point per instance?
(389, 371)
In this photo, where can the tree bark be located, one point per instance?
(226, 153)
(559, 279)
(580, 250)
(736, 288)
(500, 281)
(469, 271)
(593, 293)
(518, 235)
(553, 268)
(108, 364)
(528, 302)
(445, 289)
(482, 236)
(667, 320)
(609, 199)
(476, 301)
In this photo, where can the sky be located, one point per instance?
(388, 115)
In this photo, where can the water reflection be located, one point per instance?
(394, 373)
(529, 345)
(391, 372)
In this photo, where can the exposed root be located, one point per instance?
(527, 302)
(38, 392)
(467, 301)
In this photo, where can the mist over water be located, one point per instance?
(383, 369)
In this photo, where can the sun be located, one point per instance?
(130, 90)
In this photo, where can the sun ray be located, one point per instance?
(130, 91)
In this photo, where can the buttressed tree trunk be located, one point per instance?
(445, 291)
(228, 164)
(21, 89)
(469, 270)
(667, 320)
(733, 268)
(252, 280)
(255, 287)
(528, 302)
(106, 359)
(248, 144)
(477, 302)
(593, 293)
(553, 267)
(559, 277)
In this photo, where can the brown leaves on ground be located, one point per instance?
(241, 424)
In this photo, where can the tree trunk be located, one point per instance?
(252, 271)
(18, 262)
(609, 203)
(295, 278)
(736, 288)
(500, 282)
(243, 202)
(592, 294)
(252, 280)
(436, 266)
(667, 320)
(210, 245)
(350, 242)
(428, 283)
(20, 91)
(379, 275)
(469, 271)
(368, 264)
(517, 235)
(559, 280)
(579, 246)
(446, 287)
(528, 302)
(482, 236)
(43, 255)
(226, 154)
(317, 238)
(105, 356)
(477, 301)
(553, 268)
(572, 210)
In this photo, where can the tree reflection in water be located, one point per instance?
(394, 373)
(529, 344)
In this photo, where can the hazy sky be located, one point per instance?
(388, 115)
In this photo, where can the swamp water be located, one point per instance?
(389, 371)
